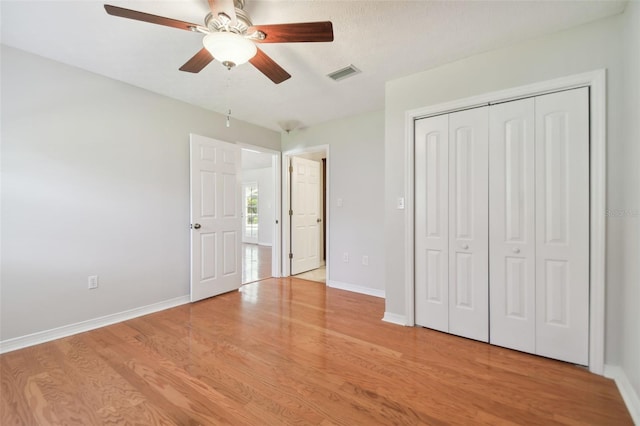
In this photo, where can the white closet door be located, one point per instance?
(512, 225)
(468, 224)
(432, 222)
(562, 225)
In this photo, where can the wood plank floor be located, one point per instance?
(289, 351)
(256, 262)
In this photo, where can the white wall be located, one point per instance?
(356, 174)
(95, 180)
(630, 223)
(585, 48)
(266, 197)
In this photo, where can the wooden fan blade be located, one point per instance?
(224, 6)
(295, 33)
(268, 67)
(198, 61)
(147, 17)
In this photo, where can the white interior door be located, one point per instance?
(215, 217)
(305, 229)
(562, 225)
(432, 222)
(469, 224)
(512, 253)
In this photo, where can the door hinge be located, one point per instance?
(290, 255)
(290, 212)
(290, 169)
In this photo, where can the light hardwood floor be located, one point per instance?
(256, 262)
(289, 351)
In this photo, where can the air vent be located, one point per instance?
(343, 73)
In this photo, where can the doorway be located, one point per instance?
(260, 213)
(300, 237)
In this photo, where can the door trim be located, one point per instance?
(277, 213)
(286, 192)
(596, 81)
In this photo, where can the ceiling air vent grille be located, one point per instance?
(343, 73)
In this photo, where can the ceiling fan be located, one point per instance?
(231, 37)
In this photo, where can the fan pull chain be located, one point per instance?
(228, 89)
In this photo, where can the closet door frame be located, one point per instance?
(596, 81)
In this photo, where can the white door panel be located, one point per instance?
(305, 229)
(215, 208)
(516, 207)
(512, 225)
(468, 229)
(432, 222)
(562, 225)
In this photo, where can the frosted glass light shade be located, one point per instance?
(229, 48)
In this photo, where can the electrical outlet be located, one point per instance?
(365, 260)
(345, 257)
(93, 282)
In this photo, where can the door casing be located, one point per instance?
(276, 248)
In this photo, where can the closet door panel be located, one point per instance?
(432, 222)
(562, 225)
(512, 225)
(468, 227)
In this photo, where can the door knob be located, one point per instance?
(465, 246)
(516, 250)
(196, 226)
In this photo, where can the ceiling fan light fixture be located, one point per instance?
(229, 48)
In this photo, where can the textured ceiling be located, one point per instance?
(384, 39)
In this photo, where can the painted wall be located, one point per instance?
(266, 194)
(95, 181)
(355, 171)
(628, 161)
(585, 48)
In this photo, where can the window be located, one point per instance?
(250, 197)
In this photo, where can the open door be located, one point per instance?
(305, 217)
(216, 223)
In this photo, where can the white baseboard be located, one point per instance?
(629, 395)
(394, 318)
(80, 327)
(356, 288)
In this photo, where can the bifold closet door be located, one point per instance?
(451, 223)
(562, 225)
(539, 225)
(432, 222)
(512, 250)
(469, 223)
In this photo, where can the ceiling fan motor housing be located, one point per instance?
(220, 23)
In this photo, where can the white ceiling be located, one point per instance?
(384, 39)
